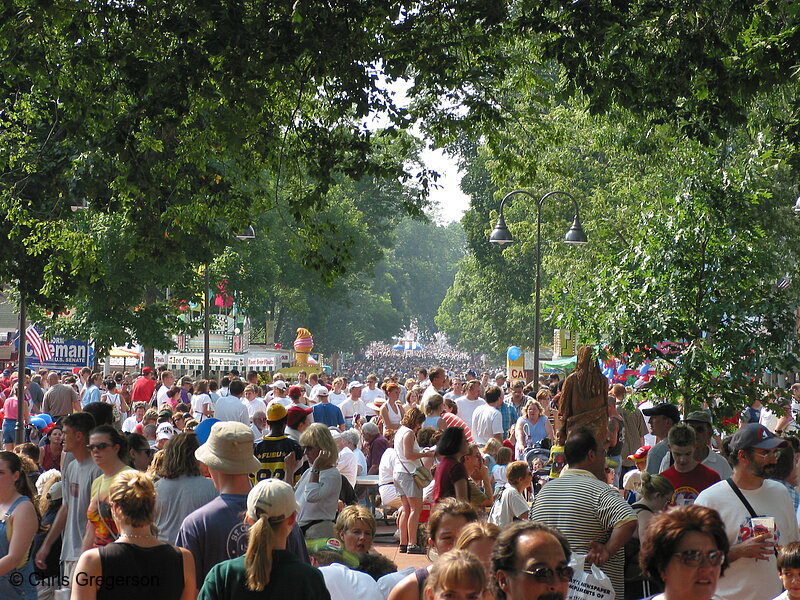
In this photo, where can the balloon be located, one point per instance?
(513, 353)
(644, 369)
(48, 419)
(203, 430)
(621, 369)
(39, 423)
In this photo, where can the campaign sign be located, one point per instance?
(67, 354)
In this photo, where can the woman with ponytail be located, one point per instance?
(267, 570)
(138, 563)
(19, 522)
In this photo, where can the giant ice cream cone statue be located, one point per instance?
(303, 344)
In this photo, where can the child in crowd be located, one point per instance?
(789, 571)
(490, 453)
(511, 505)
(499, 471)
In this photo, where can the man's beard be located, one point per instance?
(764, 472)
(551, 596)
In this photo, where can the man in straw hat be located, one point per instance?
(215, 532)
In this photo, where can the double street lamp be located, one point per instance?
(501, 235)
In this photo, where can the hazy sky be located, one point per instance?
(452, 202)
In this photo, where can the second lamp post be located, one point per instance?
(501, 235)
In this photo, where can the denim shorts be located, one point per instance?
(9, 429)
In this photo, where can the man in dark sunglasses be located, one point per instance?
(530, 562)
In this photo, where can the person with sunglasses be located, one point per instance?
(586, 510)
(140, 454)
(757, 514)
(686, 550)
(108, 450)
(700, 421)
(531, 562)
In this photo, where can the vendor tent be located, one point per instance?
(561, 365)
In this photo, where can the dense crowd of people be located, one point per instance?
(383, 359)
(178, 488)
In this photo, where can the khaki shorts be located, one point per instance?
(406, 486)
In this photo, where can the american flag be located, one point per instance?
(783, 283)
(40, 347)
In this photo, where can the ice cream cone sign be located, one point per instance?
(303, 344)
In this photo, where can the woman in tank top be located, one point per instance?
(19, 522)
(391, 412)
(151, 568)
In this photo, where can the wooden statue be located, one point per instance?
(584, 398)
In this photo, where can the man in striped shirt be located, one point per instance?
(592, 515)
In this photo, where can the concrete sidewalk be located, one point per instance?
(392, 550)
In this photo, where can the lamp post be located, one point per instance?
(247, 234)
(501, 235)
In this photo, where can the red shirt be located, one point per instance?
(448, 471)
(688, 485)
(452, 420)
(143, 389)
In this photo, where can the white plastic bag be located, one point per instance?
(591, 585)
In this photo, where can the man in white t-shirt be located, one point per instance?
(487, 421)
(279, 393)
(370, 393)
(347, 463)
(752, 574)
(470, 402)
(167, 381)
(336, 396)
(438, 378)
(354, 405)
(456, 391)
(230, 407)
(252, 402)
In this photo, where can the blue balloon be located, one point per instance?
(203, 430)
(621, 369)
(48, 419)
(513, 353)
(39, 423)
(644, 369)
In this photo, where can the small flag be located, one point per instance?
(783, 283)
(40, 347)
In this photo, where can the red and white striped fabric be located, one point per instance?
(40, 346)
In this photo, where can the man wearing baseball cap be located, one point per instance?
(757, 518)
(662, 418)
(700, 421)
(298, 420)
(144, 386)
(274, 451)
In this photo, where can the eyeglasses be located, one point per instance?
(100, 446)
(148, 451)
(765, 453)
(548, 575)
(695, 558)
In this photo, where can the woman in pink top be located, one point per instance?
(10, 418)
